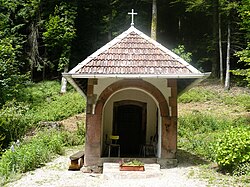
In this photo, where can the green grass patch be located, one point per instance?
(47, 104)
(239, 100)
(197, 94)
(37, 102)
(204, 94)
(36, 151)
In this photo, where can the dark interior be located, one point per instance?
(131, 129)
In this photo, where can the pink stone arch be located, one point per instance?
(133, 83)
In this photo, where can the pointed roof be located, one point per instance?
(133, 54)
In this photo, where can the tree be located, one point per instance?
(60, 31)
(209, 8)
(244, 55)
(11, 50)
(154, 20)
(227, 79)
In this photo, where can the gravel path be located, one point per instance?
(56, 174)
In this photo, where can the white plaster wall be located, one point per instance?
(131, 94)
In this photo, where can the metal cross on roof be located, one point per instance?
(132, 16)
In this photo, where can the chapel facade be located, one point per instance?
(131, 87)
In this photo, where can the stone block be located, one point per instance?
(167, 163)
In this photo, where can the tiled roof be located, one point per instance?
(133, 54)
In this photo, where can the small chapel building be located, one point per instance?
(131, 86)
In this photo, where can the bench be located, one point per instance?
(77, 161)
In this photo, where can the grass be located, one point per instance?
(205, 113)
(47, 104)
(37, 102)
(216, 94)
(35, 151)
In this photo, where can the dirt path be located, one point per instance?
(56, 174)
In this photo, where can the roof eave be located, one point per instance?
(167, 76)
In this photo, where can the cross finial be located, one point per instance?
(132, 16)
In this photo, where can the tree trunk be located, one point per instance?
(220, 51)
(154, 20)
(214, 72)
(227, 79)
(64, 81)
(34, 56)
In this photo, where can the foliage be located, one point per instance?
(77, 138)
(233, 148)
(11, 45)
(242, 169)
(44, 104)
(200, 94)
(180, 50)
(197, 94)
(13, 123)
(60, 32)
(133, 162)
(244, 55)
(48, 105)
(199, 131)
(32, 153)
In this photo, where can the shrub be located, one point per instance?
(233, 148)
(13, 123)
(242, 169)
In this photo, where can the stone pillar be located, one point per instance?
(169, 125)
(93, 140)
(93, 129)
(172, 128)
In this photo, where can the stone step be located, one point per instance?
(111, 171)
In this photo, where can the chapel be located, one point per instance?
(131, 86)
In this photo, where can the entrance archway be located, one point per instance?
(129, 122)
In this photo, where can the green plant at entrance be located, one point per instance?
(132, 163)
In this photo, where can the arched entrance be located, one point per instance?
(167, 124)
(129, 122)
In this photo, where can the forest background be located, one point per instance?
(41, 39)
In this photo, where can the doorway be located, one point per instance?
(130, 124)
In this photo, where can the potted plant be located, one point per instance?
(134, 165)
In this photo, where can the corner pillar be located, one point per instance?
(93, 129)
(169, 125)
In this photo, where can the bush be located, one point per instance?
(233, 149)
(242, 169)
